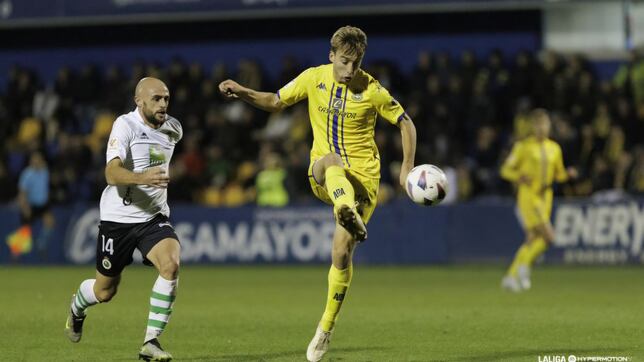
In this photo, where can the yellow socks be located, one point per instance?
(536, 248)
(339, 281)
(519, 259)
(338, 187)
(527, 254)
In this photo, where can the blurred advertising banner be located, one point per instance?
(288, 235)
(587, 232)
(607, 232)
(229, 235)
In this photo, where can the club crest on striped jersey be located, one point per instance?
(337, 103)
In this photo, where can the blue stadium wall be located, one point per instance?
(399, 233)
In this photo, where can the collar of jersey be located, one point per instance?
(140, 119)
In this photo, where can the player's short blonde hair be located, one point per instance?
(350, 39)
(538, 114)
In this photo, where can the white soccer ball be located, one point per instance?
(426, 185)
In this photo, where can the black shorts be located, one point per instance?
(36, 213)
(116, 242)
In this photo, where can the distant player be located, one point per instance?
(344, 102)
(533, 165)
(33, 200)
(134, 214)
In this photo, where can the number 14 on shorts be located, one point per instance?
(107, 245)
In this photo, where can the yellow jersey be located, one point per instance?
(541, 161)
(343, 117)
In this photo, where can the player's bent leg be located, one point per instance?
(106, 287)
(329, 172)
(545, 231)
(512, 281)
(541, 236)
(165, 257)
(89, 293)
(339, 279)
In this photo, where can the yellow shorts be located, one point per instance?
(534, 210)
(365, 188)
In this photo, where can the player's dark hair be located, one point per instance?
(351, 39)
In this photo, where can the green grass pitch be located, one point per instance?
(268, 313)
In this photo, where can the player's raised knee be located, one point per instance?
(333, 159)
(549, 235)
(169, 269)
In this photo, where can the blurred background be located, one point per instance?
(467, 73)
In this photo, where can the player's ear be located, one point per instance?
(137, 101)
(331, 56)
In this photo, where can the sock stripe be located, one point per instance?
(77, 302)
(81, 301)
(156, 324)
(167, 298)
(161, 302)
(160, 310)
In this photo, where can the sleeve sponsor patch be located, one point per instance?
(113, 144)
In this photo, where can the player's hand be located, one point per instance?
(155, 177)
(229, 89)
(572, 173)
(524, 179)
(404, 171)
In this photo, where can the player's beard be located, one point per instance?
(151, 118)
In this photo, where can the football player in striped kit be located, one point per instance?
(134, 214)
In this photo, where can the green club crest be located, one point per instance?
(157, 157)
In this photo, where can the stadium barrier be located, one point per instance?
(399, 233)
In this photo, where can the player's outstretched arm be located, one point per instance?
(116, 175)
(408, 134)
(510, 167)
(266, 101)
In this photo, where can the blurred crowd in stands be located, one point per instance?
(467, 112)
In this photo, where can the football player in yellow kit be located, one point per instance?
(533, 165)
(344, 103)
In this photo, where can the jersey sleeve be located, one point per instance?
(180, 131)
(119, 141)
(295, 90)
(560, 171)
(510, 167)
(173, 128)
(386, 106)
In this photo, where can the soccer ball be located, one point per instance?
(426, 185)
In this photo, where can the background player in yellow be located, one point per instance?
(344, 103)
(533, 165)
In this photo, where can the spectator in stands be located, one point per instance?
(629, 78)
(451, 102)
(33, 199)
(270, 182)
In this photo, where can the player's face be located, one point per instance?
(37, 160)
(155, 105)
(345, 65)
(542, 127)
